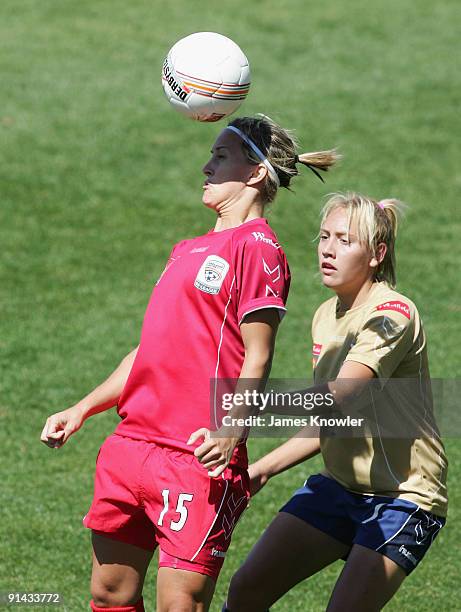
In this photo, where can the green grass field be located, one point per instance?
(99, 177)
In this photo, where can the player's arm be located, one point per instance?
(258, 331)
(350, 382)
(380, 346)
(295, 450)
(61, 425)
(347, 388)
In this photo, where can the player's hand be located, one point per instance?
(258, 478)
(60, 426)
(214, 453)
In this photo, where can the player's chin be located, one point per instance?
(330, 281)
(208, 201)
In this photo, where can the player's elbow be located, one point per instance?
(259, 359)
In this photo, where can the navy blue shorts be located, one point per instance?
(396, 528)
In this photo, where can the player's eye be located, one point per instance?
(344, 241)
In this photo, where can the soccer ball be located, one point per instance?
(206, 76)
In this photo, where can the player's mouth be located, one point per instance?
(327, 268)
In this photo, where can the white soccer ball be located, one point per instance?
(206, 76)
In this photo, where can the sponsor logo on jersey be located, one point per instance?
(211, 275)
(406, 553)
(397, 306)
(261, 237)
(199, 250)
(316, 350)
(217, 553)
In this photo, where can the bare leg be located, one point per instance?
(183, 591)
(289, 551)
(366, 583)
(118, 573)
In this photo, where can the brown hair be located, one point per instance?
(280, 148)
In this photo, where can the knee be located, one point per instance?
(108, 595)
(179, 603)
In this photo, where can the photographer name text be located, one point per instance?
(275, 421)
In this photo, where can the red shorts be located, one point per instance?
(149, 496)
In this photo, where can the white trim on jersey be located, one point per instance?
(219, 350)
(397, 481)
(214, 520)
(398, 531)
(281, 310)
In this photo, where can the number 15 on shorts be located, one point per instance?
(181, 509)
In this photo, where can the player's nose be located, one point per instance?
(327, 249)
(207, 170)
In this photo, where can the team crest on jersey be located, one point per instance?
(211, 275)
(388, 335)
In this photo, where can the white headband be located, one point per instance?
(258, 152)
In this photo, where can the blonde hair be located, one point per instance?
(280, 148)
(376, 222)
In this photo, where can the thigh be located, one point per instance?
(118, 571)
(367, 582)
(117, 497)
(183, 590)
(289, 551)
(194, 515)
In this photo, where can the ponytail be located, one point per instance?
(393, 209)
(320, 160)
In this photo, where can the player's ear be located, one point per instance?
(378, 257)
(258, 174)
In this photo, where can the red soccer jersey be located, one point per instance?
(191, 333)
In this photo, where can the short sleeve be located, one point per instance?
(170, 260)
(262, 277)
(384, 341)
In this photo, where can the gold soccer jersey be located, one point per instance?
(384, 333)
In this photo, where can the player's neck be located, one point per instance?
(233, 216)
(354, 297)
